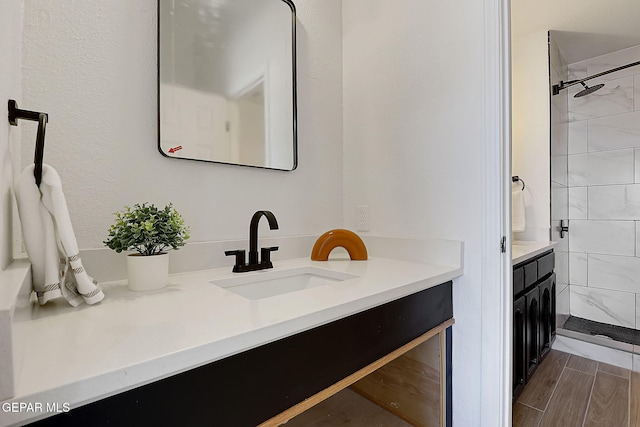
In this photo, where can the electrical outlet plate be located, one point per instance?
(362, 218)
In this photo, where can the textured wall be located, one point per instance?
(414, 129)
(92, 66)
(11, 48)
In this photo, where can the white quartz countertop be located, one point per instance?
(523, 250)
(77, 356)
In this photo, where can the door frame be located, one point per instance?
(497, 293)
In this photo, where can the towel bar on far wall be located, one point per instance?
(516, 179)
(16, 114)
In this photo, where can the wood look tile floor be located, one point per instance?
(571, 391)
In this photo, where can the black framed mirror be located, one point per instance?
(227, 82)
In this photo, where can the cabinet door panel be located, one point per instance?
(519, 346)
(532, 333)
(547, 314)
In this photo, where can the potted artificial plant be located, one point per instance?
(151, 232)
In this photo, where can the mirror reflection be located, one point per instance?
(227, 81)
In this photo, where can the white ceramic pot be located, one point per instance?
(147, 273)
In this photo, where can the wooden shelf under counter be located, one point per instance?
(407, 387)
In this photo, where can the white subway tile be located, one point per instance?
(561, 287)
(562, 268)
(617, 202)
(618, 273)
(614, 132)
(603, 305)
(615, 97)
(636, 92)
(562, 301)
(559, 171)
(602, 237)
(578, 137)
(602, 168)
(578, 268)
(559, 201)
(562, 243)
(636, 165)
(577, 202)
(559, 138)
(559, 112)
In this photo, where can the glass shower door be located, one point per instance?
(559, 149)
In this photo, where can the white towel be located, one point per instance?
(50, 241)
(518, 222)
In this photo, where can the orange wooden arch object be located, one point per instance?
(339, 237)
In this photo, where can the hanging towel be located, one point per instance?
(50, 241)
(518, 221)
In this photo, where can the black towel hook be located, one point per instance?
(16, 114)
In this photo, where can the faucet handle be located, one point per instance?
(265, 254)
(240, 258)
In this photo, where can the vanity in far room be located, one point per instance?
(534, 309)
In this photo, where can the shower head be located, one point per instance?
(555, 89)
(588, 90)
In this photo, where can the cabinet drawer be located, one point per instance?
(546, 265)
(530, 274)
(518, 281)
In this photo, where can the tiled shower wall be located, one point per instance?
(559, 185)
(604, 191)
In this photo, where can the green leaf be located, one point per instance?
(147, 229)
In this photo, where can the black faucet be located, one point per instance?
(254, 264)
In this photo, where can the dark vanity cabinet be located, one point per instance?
(534, 314)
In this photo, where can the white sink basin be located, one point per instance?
(265, 284)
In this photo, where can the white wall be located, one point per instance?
(530, 129)
(93, 69)
(413, 138)
(614, 21)
(10, 73)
